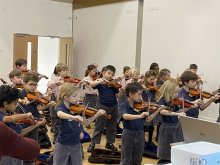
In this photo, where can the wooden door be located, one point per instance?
(21, 42)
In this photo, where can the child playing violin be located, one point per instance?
(170, 129)
(8, 103)
(148, 95)
(108, 102)
(91, 95)
(15, 77)
(189, 80)
(133, 137)
(163, 75)
(21, 65)
(68, 147)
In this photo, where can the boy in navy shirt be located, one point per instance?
(108, 102)
(189, 80)
(133, 136)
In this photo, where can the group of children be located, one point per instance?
(155, 86)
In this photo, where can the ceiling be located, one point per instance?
(77, 4)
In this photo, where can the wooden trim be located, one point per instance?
(78, 4)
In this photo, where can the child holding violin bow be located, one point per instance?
(188, 92)
(133, 136)
(8, 102)
(170, 129)
(68, 147)
(149, 95)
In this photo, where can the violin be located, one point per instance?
(114, 83)
(3, 81)
(143, 105)
(87, 110)
(28, 121)
(71, 80)
(24, 72)
(152, 88)
(181, 102)
(204, 94)
(34, 96)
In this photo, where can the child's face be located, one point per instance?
(136, 76)
(136, 97)
(166, 77)
(191, 84)
(16, 80)
(150, 80)
(194, 70)
(108, 74)
(49, 91)
(63, 73)
(31, 86)
(93, 72)
(156, 70)
(22, 67)
(74, 98)
(12, 106)
(126, 74)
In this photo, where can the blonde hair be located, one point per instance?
(134, 71)
(167, 90)
(66, 89)
(59, 67)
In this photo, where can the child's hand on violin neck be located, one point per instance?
(41, 122)
(197, 102)
(143, 114)
(78, 118)
(100, 112)
(216, 97)
(182, 114)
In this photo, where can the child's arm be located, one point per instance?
(153, 115)
(97, 82)
(134, 117)
(203, 106)
(86, 122)
(41, 108)
(169, 113)
(63, 115)
(17, 117)
(32, 127)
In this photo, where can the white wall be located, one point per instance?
(39, 17)
(105, 35)
(177, 33)
(48, 57)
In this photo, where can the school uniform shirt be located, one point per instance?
(148, 94)
(159, 83)
(169, 119)
(16, 127)
(107, 95)
(132, 125)
(88, 89)
(69, 132)
(192, 112)
(32, 107)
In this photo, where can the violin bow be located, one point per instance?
(24, 110)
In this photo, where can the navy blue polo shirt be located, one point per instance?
(69, 132)
(132, 125)
(148, 94)
(32, 107)
(159, 83)
(169, 119)
(192, 112)
(107, 95)
(16, 127)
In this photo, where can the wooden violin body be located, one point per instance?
(204, 94)
(34, 96)
(152, 88)
(71, 80)
(88, 111)
(181, 102)
(114, 83)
